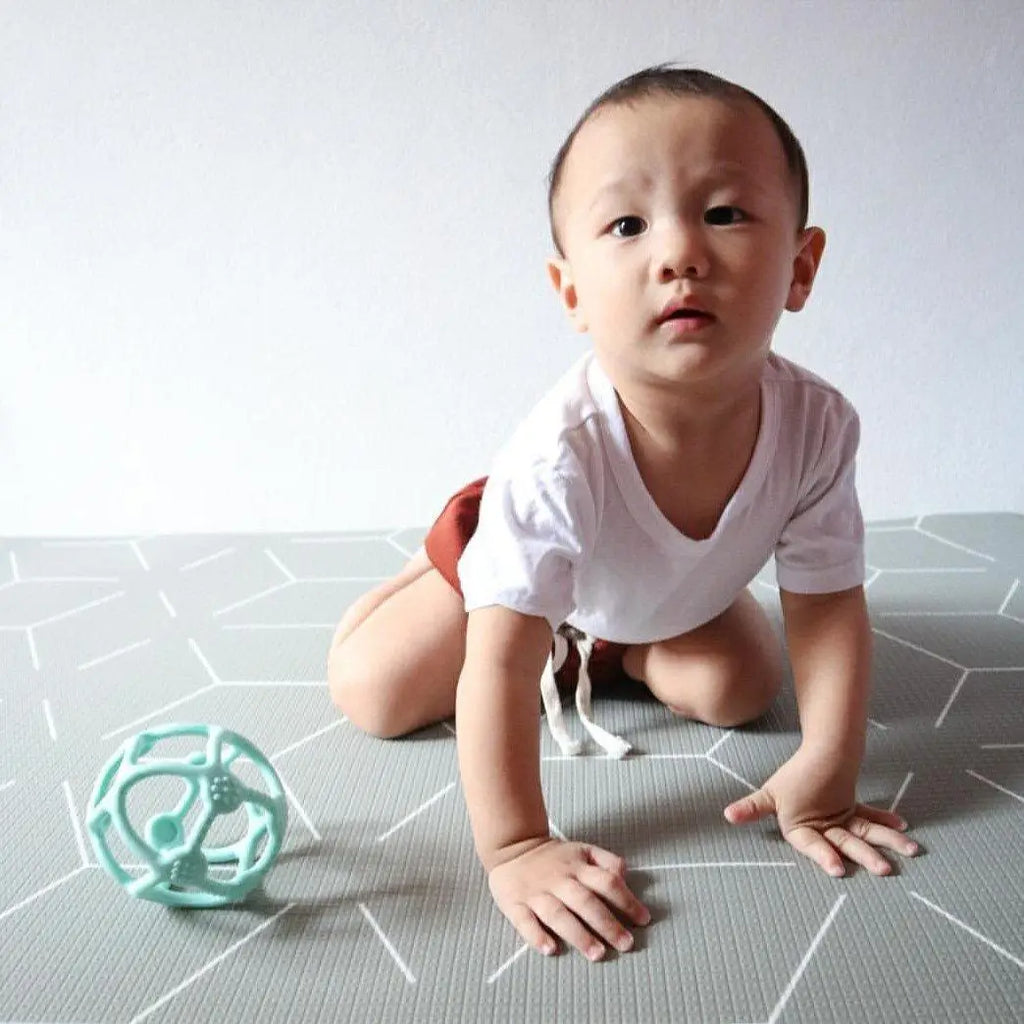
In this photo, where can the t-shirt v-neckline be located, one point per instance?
(638, 499)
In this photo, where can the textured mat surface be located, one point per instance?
(377, 910)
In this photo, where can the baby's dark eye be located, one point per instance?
(724, 215)
(635, 222)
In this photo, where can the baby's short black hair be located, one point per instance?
(667, 80)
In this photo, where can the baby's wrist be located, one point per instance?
(832, 736)
(847, 749)
(494, 858)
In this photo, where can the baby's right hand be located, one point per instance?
(564, 887)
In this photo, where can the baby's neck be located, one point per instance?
(692, 463)
(693, 420)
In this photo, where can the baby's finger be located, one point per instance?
(858, 851)
(880, 835)
(607, 860)
(810, 843)
(564, 923)
(876, 814)
(594, 913)
(525, 922)
(613, 889)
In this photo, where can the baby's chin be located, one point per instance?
(696, 364)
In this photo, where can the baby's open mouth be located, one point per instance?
(687, 314)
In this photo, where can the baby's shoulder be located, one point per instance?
(559, 436)
(816, 426)
(803, 394)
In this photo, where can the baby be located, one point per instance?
(622, 522)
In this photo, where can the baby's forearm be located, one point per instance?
(829, 640)
(497, 723)
(499, 761)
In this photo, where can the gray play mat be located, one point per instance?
(377, 909)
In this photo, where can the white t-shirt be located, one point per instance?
(568, 530)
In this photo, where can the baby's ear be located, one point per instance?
(560, 274)
(805, 268)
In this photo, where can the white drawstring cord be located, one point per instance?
(613, 746)
(553, 701)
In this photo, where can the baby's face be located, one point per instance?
(689, 199)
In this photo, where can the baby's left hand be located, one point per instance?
(812, 795)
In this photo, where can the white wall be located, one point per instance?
(281, 265)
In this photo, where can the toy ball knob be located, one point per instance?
(196, 829)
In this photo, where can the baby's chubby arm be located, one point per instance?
(813, 794)
(542, 885)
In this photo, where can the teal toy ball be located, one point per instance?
(188, 816)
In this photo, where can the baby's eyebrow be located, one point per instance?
(622, 184)
(729, 171)
(719, 173)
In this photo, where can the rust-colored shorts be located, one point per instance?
(444, 545)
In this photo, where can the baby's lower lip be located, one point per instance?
(688, 324)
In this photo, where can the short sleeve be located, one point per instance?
(821, 549)
(535, 527)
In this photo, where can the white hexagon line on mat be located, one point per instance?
(167, 996)
(132, 542)
(1001, 612)
(42, 892)
(217, 682)
(808, 956)
(971, 931)
(16, 576)
(995, 785)
(409, 976)
(291, 580)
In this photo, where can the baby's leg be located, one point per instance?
(725, 673)
(361, 608)
(398, 651)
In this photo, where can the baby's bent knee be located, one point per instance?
(729, 706)
(362, 703)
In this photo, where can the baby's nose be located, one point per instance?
(683, 253)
